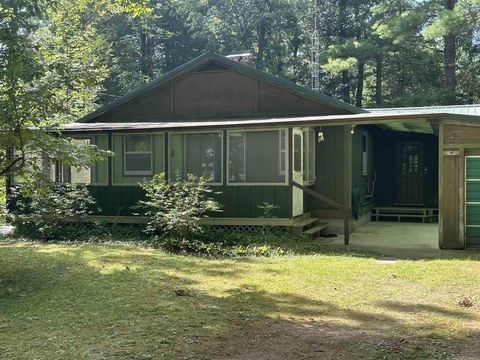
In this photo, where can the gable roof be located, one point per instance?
(231, 64)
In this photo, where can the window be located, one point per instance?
(309, 155)
(364, 154)
(137, 155)
(75, 175)
(199, 154)
(257, 157)
(297, 153)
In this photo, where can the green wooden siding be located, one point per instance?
(472, 218)
(237, 201)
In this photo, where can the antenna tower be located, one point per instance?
(315, 56)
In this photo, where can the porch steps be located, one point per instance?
(306, 222)
(316, 230)
(310, 227)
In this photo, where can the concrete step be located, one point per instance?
(315, 230)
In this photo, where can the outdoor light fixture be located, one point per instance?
(352, 130)
(320, 135)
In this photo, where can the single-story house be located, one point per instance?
(258, 138)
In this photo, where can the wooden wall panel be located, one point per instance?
(152, 107)
(451, 201)
(236, 201)
(216, 94)
(461, 134)
(222, 93)
(275, 100)
(329, 167)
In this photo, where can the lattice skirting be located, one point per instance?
(251, 229)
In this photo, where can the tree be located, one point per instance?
(42, 85)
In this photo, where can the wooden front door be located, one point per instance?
(409, 173)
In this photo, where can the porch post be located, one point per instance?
(289, 144)
(109, 160)
(347, 182)
(166, 157)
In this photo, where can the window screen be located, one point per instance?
(197, 154)
(255, 157)
(309, 155)
(297, 153)
(138, 155)
(75, 175)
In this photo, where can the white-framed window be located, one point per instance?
(309, 155)
(255, 157)
(137, 154)
(364, 154)
(198, 154)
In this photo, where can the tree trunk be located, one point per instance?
(449, 59)
(360, 78)
(146, 52)
(262, 43)
(342, 4)
(378, 82)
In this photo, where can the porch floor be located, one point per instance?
(396, 239)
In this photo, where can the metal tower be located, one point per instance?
(315, 56)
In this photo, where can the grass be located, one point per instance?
(103, 301)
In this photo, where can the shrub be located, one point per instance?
(174, 208)
(46, 215)
(225, 243)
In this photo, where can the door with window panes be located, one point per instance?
(297, 171)
(410, 173)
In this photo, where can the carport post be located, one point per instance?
(347, 181)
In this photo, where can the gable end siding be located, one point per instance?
(215, 94)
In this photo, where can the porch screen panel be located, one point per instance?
(77, 175)
(197, 154)
(100, 169)
(255, 157)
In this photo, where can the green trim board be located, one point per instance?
(198, 62)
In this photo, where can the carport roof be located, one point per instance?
(408, 122)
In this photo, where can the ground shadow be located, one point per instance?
(81, 302)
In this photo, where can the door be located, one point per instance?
(472, 201)
(410, 173)
(298, 169)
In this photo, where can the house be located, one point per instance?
(258, 138)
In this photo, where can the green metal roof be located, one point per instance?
(240, 68)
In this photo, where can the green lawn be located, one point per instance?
(119, 302)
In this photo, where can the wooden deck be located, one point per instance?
(399, 213)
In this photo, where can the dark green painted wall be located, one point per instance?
(360, 181)
(237, 201)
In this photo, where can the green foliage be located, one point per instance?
(224, 243)
(175, 207)
(48, 215)
(51, 68)
(268, 212)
